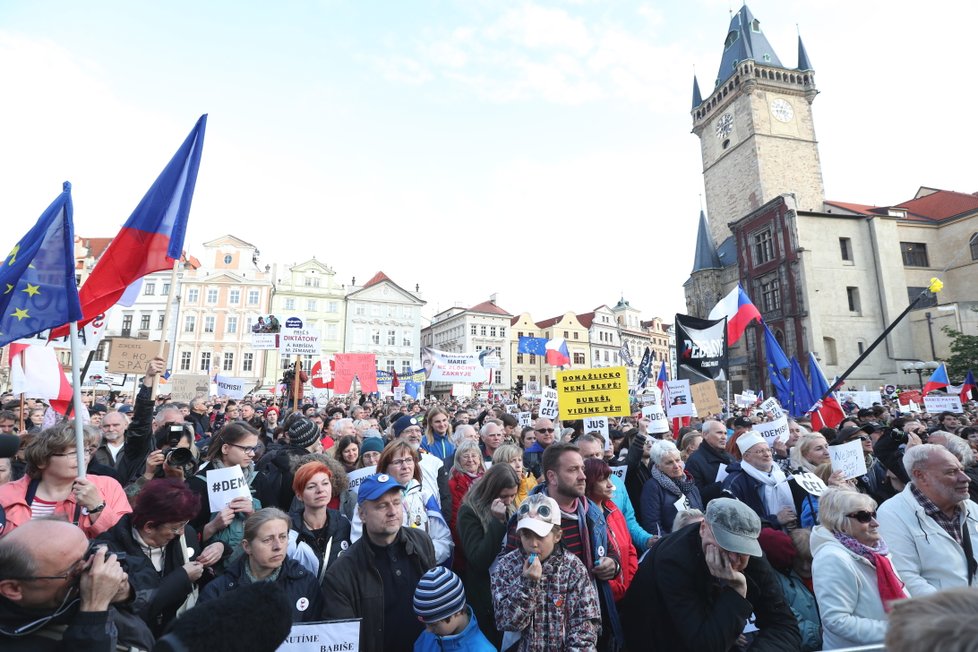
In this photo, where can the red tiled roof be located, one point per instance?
(488, 307)
(379, 277)
(586, 319)
(547, 323)
(516, 318)
(859, 209)
(941, 205)
(96, 246)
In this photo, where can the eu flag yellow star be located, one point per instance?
(10, 287)
(32, 289)
(13, 254)
(20, 314)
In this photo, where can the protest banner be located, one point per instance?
(619, 471)
(184, 387)
(679, 399)
(658, 422)
(99, 378)
(224, 485)
(461, 390)
(295, 339)
(908, 395)
(322, 636)
(264, 341)
(548, 404)
(130, 356)
(526, 419)
(596, 424)
(442, 366)
(230, 387)
(772, 407)
(512, 408)
(937, 403)
(356, 478)
(705, 399)
(745, 400)
(592, 392)
(810, 482)
(864, 399)
(398, 393)
(347, 366)
(773, 430)
(701, 348)
(849, 458)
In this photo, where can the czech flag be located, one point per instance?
(663, 378)
(826, 413)
(152, 239)
(36, 372)
(967, 387)
(739, 311)
(937, 381)
(557, 353)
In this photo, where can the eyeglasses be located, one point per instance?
(402, 461)
(863, 516)
(246, 449)
(177, 530)
(543, 430)
(73, 571)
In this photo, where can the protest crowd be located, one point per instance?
(446, 524)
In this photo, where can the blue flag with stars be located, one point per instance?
(37, 278)
(776, 361)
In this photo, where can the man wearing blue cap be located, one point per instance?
(376, 578)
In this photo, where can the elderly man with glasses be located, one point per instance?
(533, 455)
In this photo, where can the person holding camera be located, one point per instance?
(174, 456)
(57, 592)
(138, 435)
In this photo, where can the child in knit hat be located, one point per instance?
(439, 602)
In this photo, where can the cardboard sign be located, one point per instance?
(705, 399)
(130, 356)
(317, 637)
(937, 403)
(264, 341)
(224, 485)
(810, 483)
(526, 418)
(295, 339)
(184, 387)
(356, 478)
(230, 387)
(596, 424)
(592, 392)
(679, 399)
(772, 431)
(908, 395)
(548, 404)
(772, 407)
(849, 458)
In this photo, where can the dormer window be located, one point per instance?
(731, 39)
(755, 26)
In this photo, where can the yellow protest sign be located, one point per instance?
(592, 392)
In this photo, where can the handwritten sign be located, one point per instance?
(679, 399)
(548, 404)
(597, 424)
(224, 485)
(230, 387)
(184, 387)
(772, 407)
(810, 483)
(705, 399)
(356, 478)
(130, 356)
(772, 431)
(317, 637)
(592, 392)
(849, 459)
(526, 418)
(936, 404)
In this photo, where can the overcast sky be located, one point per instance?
(537, 150)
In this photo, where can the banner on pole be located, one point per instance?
(592, 392)
(701, 348)
(442, 366)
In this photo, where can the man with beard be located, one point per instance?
(706, 463)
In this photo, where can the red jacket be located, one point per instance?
(17, 510)
(622, 549)
(459, 484)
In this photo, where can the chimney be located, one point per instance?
(492, 298)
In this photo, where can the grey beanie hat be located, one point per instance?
(303, 432)
(438, 595)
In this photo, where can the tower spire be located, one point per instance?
(706, 256)
(804, 63)
(697, 96)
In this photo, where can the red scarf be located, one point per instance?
(890, 586)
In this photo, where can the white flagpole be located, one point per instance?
(77, 405)
(165, 332)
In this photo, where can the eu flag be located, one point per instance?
(532, 345)
(37, 278)
(776, 361)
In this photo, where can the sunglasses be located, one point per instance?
(863, 516)
(543, 430)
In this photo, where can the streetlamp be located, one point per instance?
(920, 368)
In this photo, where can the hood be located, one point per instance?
(821, 536)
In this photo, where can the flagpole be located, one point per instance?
(77, 399)
(295, 383)
(23, 402)
(166, 327)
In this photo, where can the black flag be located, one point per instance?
(701, 348)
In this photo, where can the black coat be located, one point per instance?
(139, 439)
(674, 603)
(156, 598)
(703, 465)
(336, 539)
(300, 586)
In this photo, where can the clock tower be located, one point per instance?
(757, 135)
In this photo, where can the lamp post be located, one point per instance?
(920, 368)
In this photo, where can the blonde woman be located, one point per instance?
(513, 455)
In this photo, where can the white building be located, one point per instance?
(384, 319)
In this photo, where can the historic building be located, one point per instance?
(384, 319)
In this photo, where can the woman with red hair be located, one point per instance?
(161, 550)
(598, 488)
(318, 534)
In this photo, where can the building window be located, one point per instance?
(185, 357)
(482, 330)
(126, 324)
(212, 296)
(209, 323)
(253, 296)
(405, 367)
(149, 289)
(159, 323)
(519, 358)
(391, 337)
(914, 254)
(205, 361)
(144, 322)
(578, 358)
(248, 362)
(771, 294)
(498, 377)
(290, 304)
(228, 259)
(763, 247)
(332, 306)
(228, 362)
(492, 331)
(390, 366)
(193, 294)
(166, 289)
(519, 334)
(311, 304)
(311, 282)
(974, 246)
(375, 335)
(566, 335)
(232, 325)
(332, 331)
(502, 331)
(576, 335)
(189, 324)
(929, 300)
(831, 355)
(861, 346)
(406, 338)
(473, 330)
(845, 248)
(533, 359)
(234, 297)
(852, 296)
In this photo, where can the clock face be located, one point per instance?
(724, 125)
(781, 110)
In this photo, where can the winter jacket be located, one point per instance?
(804, 607)
(622, 549)
(749, 491)
(300, 586)
(442, 448)
(354, 588)
(703, 465)
(73, 631)
(658, 511)
(640, 537)
(335, 541)
(459, 484)
(925, 556)
(139, 439)
(675, 605)
(480, 545)
(637, 473)
(420, 511)
(200, 422)
(526, 485)
(469, 639)
(847, 592)
(157, 596)
(16, 498)
(559, 612)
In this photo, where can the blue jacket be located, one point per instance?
(620, 498)
(469, 639)
(658, 509)
(442, 448)
(802, 603)
(748, 491)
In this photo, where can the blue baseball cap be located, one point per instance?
(376, 485)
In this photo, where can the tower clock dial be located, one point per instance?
(724, 125)
(781, 110)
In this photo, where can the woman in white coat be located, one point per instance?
(855, 583)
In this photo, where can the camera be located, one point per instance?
(179, 457)
(95, 545)
(175, 434)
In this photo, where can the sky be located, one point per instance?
(537, 150)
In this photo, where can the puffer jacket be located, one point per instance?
(301, 587)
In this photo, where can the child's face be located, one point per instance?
(448, 626)
(534, 543)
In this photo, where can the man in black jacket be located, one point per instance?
(376, 578)
(139, 435)
(707, 460)
(698, 587)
